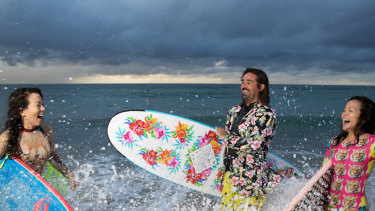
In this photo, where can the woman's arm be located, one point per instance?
(3, 143)
(329, 152)
(56, 161)
(58, 165)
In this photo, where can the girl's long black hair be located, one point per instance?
(18, 101)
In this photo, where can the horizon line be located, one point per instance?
(179, 84)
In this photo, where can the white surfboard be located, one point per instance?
(180, 150)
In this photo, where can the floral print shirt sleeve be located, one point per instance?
(329, 151)
(247, 148)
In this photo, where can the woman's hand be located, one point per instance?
(72, 180)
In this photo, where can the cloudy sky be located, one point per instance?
(194, 41)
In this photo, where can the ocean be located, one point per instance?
(307, 117)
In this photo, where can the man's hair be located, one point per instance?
(264, 95)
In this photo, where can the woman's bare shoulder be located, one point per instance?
(4, 136)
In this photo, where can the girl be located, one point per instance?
(26, 137)
(352, 153)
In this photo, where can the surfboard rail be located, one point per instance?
(39, 179)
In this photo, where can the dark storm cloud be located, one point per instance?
(332, 35)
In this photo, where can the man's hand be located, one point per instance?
(221, 132)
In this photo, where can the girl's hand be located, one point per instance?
(72, 180)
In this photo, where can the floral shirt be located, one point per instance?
(247, 147)
(353, 165)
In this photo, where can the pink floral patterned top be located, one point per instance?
(353, 165)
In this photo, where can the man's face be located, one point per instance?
(249, 88)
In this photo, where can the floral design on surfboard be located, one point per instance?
(168, 158)
(217, 182)
(148, 128)
(193, 177)
(286, 171)
(183, 134)
(125, 138)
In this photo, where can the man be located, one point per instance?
(249, 129)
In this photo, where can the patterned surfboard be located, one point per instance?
(180, 150)
(22, 188)
(314, 195)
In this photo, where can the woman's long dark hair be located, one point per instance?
(366, 120)
(18, 101)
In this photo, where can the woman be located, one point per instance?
(352, 153)
(26, 137)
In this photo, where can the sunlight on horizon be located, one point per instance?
(76, 74)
